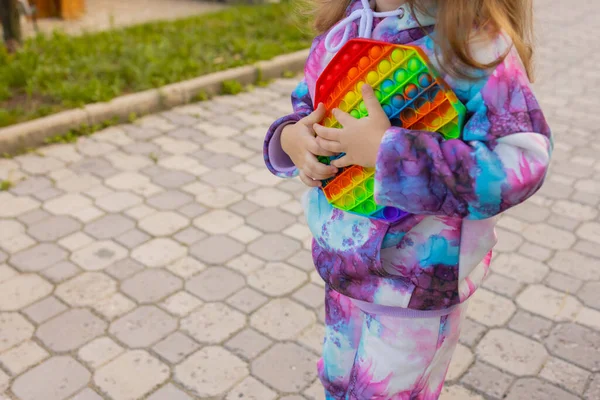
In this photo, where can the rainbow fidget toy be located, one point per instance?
(412, 95)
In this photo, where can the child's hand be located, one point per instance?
(299, 143)
(359, 138)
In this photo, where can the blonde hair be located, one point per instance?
(454, 28)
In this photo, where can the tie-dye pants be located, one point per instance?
(384, 356)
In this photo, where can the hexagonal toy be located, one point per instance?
(411, 93)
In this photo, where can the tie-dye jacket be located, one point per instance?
(436, 257)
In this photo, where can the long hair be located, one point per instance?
(457, 22)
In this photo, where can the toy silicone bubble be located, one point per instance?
(410, 92)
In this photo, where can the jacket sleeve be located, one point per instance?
(275, 158)
(501, 160)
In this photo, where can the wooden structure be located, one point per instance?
(66, 9)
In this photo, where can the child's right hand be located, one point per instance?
(299, 143)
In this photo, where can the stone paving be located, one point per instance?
(161, 261)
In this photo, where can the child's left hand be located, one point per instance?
(359, 138)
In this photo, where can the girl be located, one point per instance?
(395, 294)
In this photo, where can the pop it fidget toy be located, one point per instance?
(412, 95)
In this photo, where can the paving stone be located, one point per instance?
(549, 303)
(534, 251)
(277, 279)
(502, 285)
(169, 392)
(575, 265)
(589, 294)
(245, 234)
(218, 222)
(164, 223)
(211, 372)
(139, 212)
(192, 210)
(282, 319)
(286, 367)
(589, 318)
(488, 379)
(512, 352)
(38, 257)
(507, 241)
(86, 394)
(78, 183)
(173, 179)
(251, 389)
(45, 309)
(247, 300)
(565, 375)
(53, 228)
(55, 379)
(134, 182)
(21, 291)
(216, 249)
(248, 344)
(520, 268)
(315, 391)
(576, 344)
(114, 306)
(310, 295)
(593, 391)
(222, 177)
(143, 326)
(563, 283)
(273, 247)
(461, 361)
(220, 161)
(14, 329)
(158, 252)
(70, 330)
(124, 268)
(14, 206)
(35, 164)
(22, 357)
(458, 393)
(244, 208)
(210, 197)
(246, 264)
(303, 260)
(530, 325)
(175, 347)
(170, 200)
(60, 272)
(31, 185)
(189, 236)
(535, 389)
(133, 238)
(131, 376)
(33, 217)
(270, 220)
(67, 204)
(150, 286)
(313, 338)
(267, 197)
(490, 309)
(109, 226)
(99, 255)
(86, 289)
(181, 304)
(88, 214)
(213, 323)
(215, 284)
(75, 241)
(590, 231)
(100, 351)
(549, 236)
(186, 267)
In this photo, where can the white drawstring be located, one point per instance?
(365, 25)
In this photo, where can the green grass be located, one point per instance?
(58, 72)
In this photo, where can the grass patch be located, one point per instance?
(57, 72)
(5, 186)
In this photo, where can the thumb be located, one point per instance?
(316, 116)
(372, 103)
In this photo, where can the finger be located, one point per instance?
(327, 133)
(372, 103)
(309, 181)
(315, 169)
(343, 117)
(317, 150)
(342, 162)
(330, 145)
(315, 116)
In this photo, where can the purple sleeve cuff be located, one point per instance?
(277, 161)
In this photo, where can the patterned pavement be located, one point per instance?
(161, 261)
